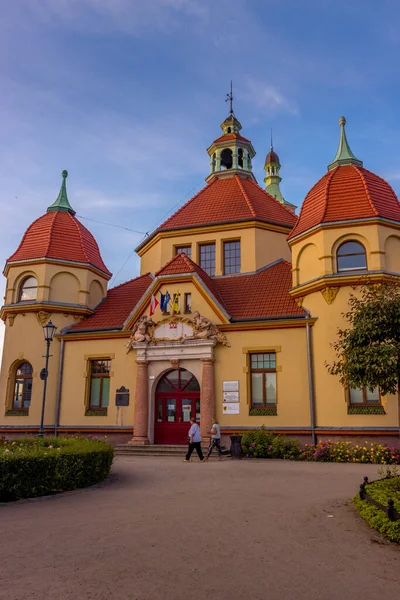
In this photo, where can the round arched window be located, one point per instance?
(351, 256)
(22, 387)
(28, 290)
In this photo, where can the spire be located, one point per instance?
(272, 178)
(344, 155)
(62, 202)
(229, 98)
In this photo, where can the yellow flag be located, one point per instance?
(175, 303)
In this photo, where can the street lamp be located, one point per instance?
(48, 330)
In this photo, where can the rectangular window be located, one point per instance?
(263, 379)
(185, 249)
(364, 396)
(207, 258)
(188, 303)
(99, 384)
(231, 257)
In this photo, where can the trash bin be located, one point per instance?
(236, 446)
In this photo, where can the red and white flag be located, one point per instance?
(153, 305)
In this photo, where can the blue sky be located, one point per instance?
(127, 95)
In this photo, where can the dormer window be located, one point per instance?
(28, 290)
(351, 256)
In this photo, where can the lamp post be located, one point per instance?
(48, 331)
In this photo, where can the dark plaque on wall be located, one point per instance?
(122, 397)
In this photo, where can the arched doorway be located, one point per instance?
(177, 400)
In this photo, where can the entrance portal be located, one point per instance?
(177, 401)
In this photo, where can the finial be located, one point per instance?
(344, 155)
(272, 146)
(229, 98)
(62, 203)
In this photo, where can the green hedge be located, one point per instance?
(264, 444)
(37, 467)
(382, 491)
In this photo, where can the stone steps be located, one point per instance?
(159, 451)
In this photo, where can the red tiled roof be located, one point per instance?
(59, 235)
(348, 192)
(120, 301)
(262, 294)
(230, 199)
(230, 136)
(182, 264)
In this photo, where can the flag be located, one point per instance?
(164, 301)
(153, 305)
(175, 303)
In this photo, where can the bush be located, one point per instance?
(264, 444)
(36, 467)
(382, 491)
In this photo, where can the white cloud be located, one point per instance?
(266, 97)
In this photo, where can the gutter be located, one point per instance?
(310, 361)
(59, 387)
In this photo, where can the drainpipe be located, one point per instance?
(59, 385)
(310, 376)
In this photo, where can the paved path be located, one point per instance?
(165, 530)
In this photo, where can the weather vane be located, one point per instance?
(229, 98)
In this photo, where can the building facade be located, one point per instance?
(233, 313)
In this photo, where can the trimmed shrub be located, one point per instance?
(382, 491)
(37, 467)
(264, 444)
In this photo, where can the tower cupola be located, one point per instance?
(272, 178)
(231, 154)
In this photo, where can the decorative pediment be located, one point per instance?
(177, 329)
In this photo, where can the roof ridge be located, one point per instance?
(249, 204)
(78, 225)
(272, 198)
(360, 174)
(51, 231)
(186, 203)
(327, 188)
(173, 259)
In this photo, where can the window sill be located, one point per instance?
(270, 411)
(17, 413)
(365, 410)
(99, 412)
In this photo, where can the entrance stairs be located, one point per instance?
(163, 450)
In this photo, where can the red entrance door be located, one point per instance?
(177, 400)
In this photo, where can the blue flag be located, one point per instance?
(164, 301)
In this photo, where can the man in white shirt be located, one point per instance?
(194, 441)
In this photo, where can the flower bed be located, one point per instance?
(382, 491)
(264, 444)
(36, 467)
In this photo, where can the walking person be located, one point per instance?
(215, 441)
(194, 441)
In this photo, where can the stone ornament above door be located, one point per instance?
(177, 329)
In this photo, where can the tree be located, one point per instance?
(368, 351)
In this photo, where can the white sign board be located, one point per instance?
(231, 408)
(231, 396)
(230, 386)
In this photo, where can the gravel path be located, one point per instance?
(164, 530)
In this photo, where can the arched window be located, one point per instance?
(28, 290)
(240, 158)
(22, 387)
(226, 159)
(351, 256)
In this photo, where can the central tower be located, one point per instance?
(231, 154)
